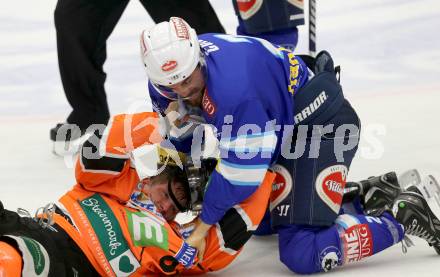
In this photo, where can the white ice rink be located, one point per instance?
(389, 51)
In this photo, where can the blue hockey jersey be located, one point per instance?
(250, 85)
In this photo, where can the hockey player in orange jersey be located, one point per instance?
(113, 223)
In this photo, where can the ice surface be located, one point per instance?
(390, 56)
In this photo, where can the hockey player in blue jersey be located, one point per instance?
(273, 110)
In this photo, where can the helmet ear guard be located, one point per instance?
(198, 178)
(194, 180)
(154, 160)
(178, 175)
(181, 168)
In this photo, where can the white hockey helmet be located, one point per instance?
(170, 51)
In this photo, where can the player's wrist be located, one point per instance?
(201, 229)
(204, 227)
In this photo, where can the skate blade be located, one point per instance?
(409, 178)
(430, 189)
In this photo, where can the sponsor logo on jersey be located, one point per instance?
(357, 243)
(102, 217)
(208, 104)
(281, 186)
(186, 255)
(248, 8)
(334, 186)
(180, 27)
(293, 70)
(330, 258)
(311, 108)
(169, 65)
(105, 237)
(146, 230)
(330, 185)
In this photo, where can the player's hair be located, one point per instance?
(178, 180)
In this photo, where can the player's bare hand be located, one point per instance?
(197, 238)
(199, 243)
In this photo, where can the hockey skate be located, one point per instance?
(377, 194)
(429, 188)
(67, 139)
(412, 211)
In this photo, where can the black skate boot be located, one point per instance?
(412, 211)
(430, 190)
(66, 138)
(377, 193)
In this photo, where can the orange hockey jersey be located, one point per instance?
(122, 236)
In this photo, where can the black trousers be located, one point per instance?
(83, 27)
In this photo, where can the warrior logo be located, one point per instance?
(311, 108)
